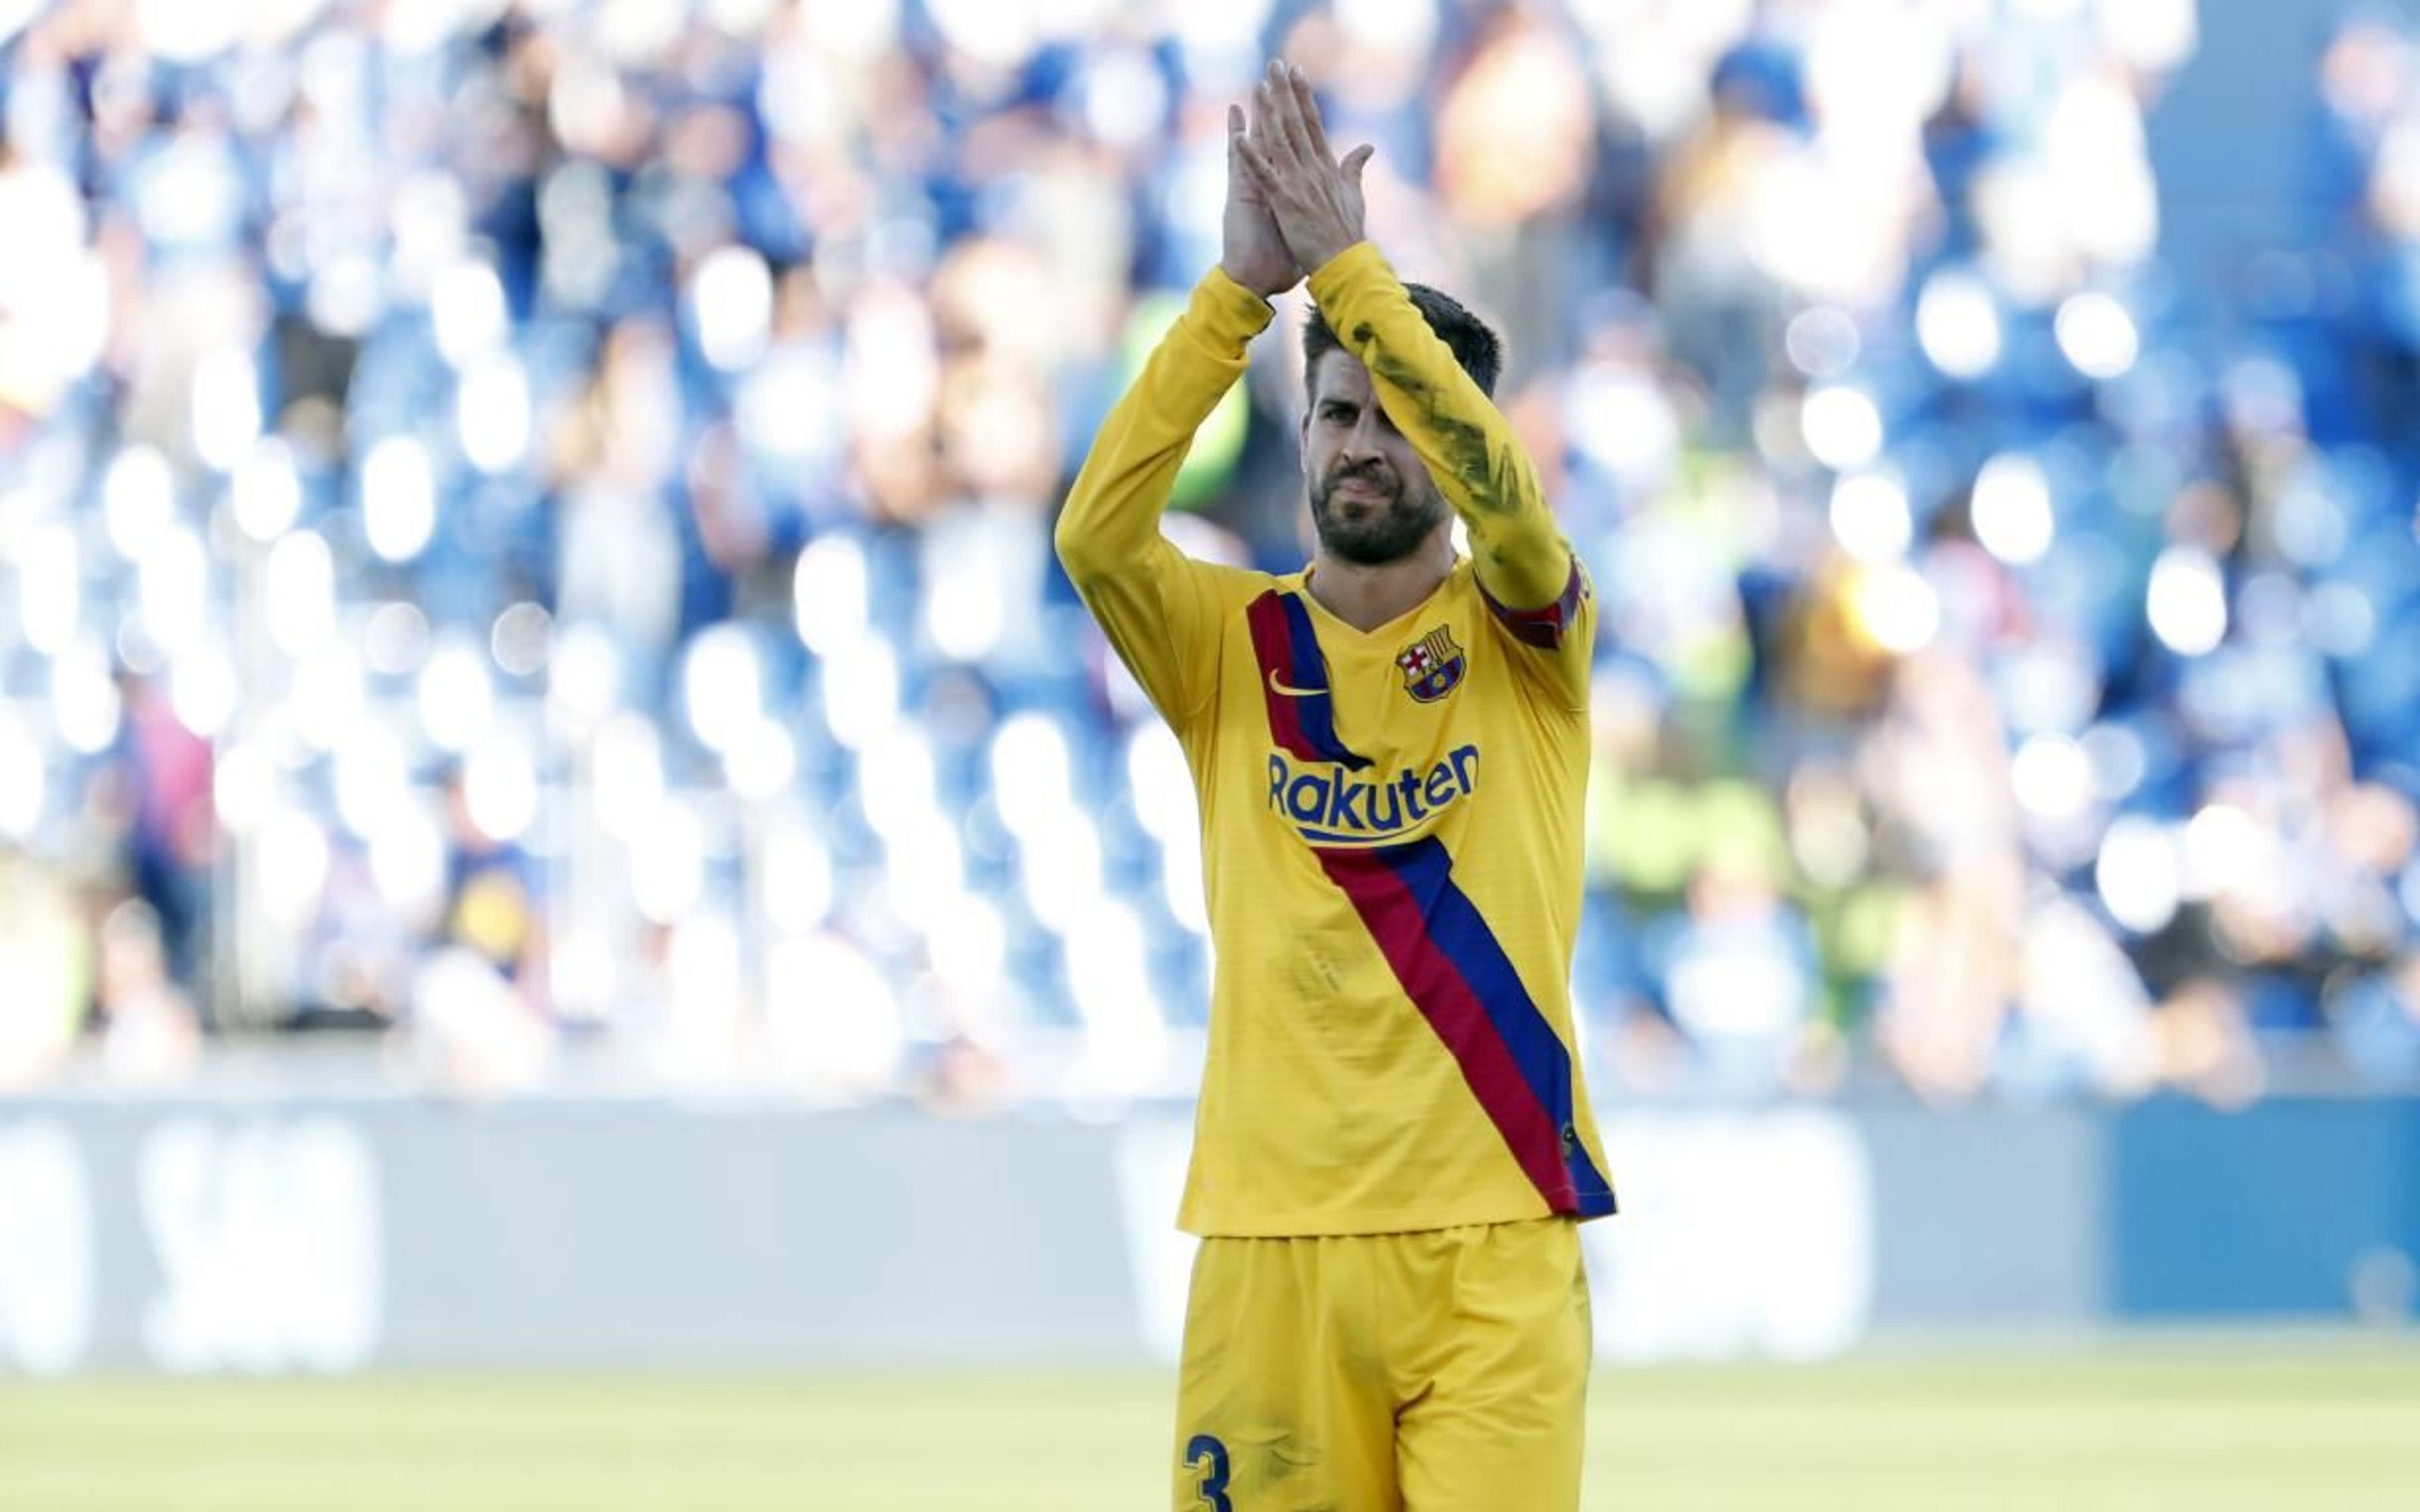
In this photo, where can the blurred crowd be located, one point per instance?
(525, 531)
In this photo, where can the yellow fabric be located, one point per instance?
(1444, 1371)
(1329, 1103)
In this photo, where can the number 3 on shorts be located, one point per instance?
(1208, 1456)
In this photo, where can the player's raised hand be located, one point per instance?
(1316, 199)
(1253, 253)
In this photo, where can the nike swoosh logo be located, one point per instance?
(1283, 691)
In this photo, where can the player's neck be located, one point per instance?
(1365, 596)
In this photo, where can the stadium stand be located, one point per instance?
(525, 531)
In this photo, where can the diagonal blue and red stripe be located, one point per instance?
(1451, 967)
(1294, 681)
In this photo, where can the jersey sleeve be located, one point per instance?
(1541, 596)
(1161, 611)
(1555, 642)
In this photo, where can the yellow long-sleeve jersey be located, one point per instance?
(1390, 819)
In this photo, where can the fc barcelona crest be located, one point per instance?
(1431, 665)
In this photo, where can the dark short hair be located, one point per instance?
(1473, 344)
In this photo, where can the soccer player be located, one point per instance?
(1392, 1148)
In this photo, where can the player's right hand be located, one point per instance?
(1254, 253)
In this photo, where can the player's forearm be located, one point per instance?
(1111, 519)
(1465, 441)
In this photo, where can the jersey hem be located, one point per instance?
(1400, 1221)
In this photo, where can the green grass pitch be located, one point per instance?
(2220, 1428)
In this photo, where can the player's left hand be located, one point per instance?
(1316, 199)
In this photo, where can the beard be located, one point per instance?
(1374, 532)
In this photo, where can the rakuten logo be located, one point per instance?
(1330, 805)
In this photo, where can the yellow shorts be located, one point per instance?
(1442, 1371)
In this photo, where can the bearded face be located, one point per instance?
(1371, 499)
(1365, 513)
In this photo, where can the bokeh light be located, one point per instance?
(1870, 517)
(2187, 602)
(1841, 427)
(2097, 335)
(1958, 324)
(398, 498)
(2011, 509)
